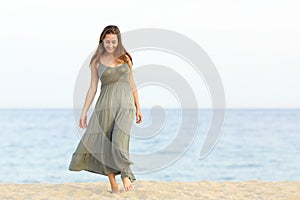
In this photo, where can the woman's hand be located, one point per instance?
(139, 117)
(82, 121)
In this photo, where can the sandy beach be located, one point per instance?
(254, 189)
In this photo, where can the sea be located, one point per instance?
(253, 144)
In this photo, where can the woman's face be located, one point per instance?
(110, 42)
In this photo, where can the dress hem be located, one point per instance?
(88, 158)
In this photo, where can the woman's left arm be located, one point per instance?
(139, 116)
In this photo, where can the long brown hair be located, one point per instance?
(119, 53)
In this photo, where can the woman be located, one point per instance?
(104, 146)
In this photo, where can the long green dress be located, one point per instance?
(104, 146)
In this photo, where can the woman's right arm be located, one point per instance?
(89, 96)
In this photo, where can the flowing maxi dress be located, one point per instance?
(104, 146)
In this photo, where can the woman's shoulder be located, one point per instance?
(128, 60)
(94, 64)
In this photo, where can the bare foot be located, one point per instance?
(113, 183)
(127, 184)
(115, 191)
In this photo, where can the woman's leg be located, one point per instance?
(120, 146)
(120, 152)
(113, 183)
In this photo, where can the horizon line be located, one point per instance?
(145, 108)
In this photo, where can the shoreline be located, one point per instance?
(251, 189)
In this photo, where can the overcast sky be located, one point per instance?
(255, 46)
